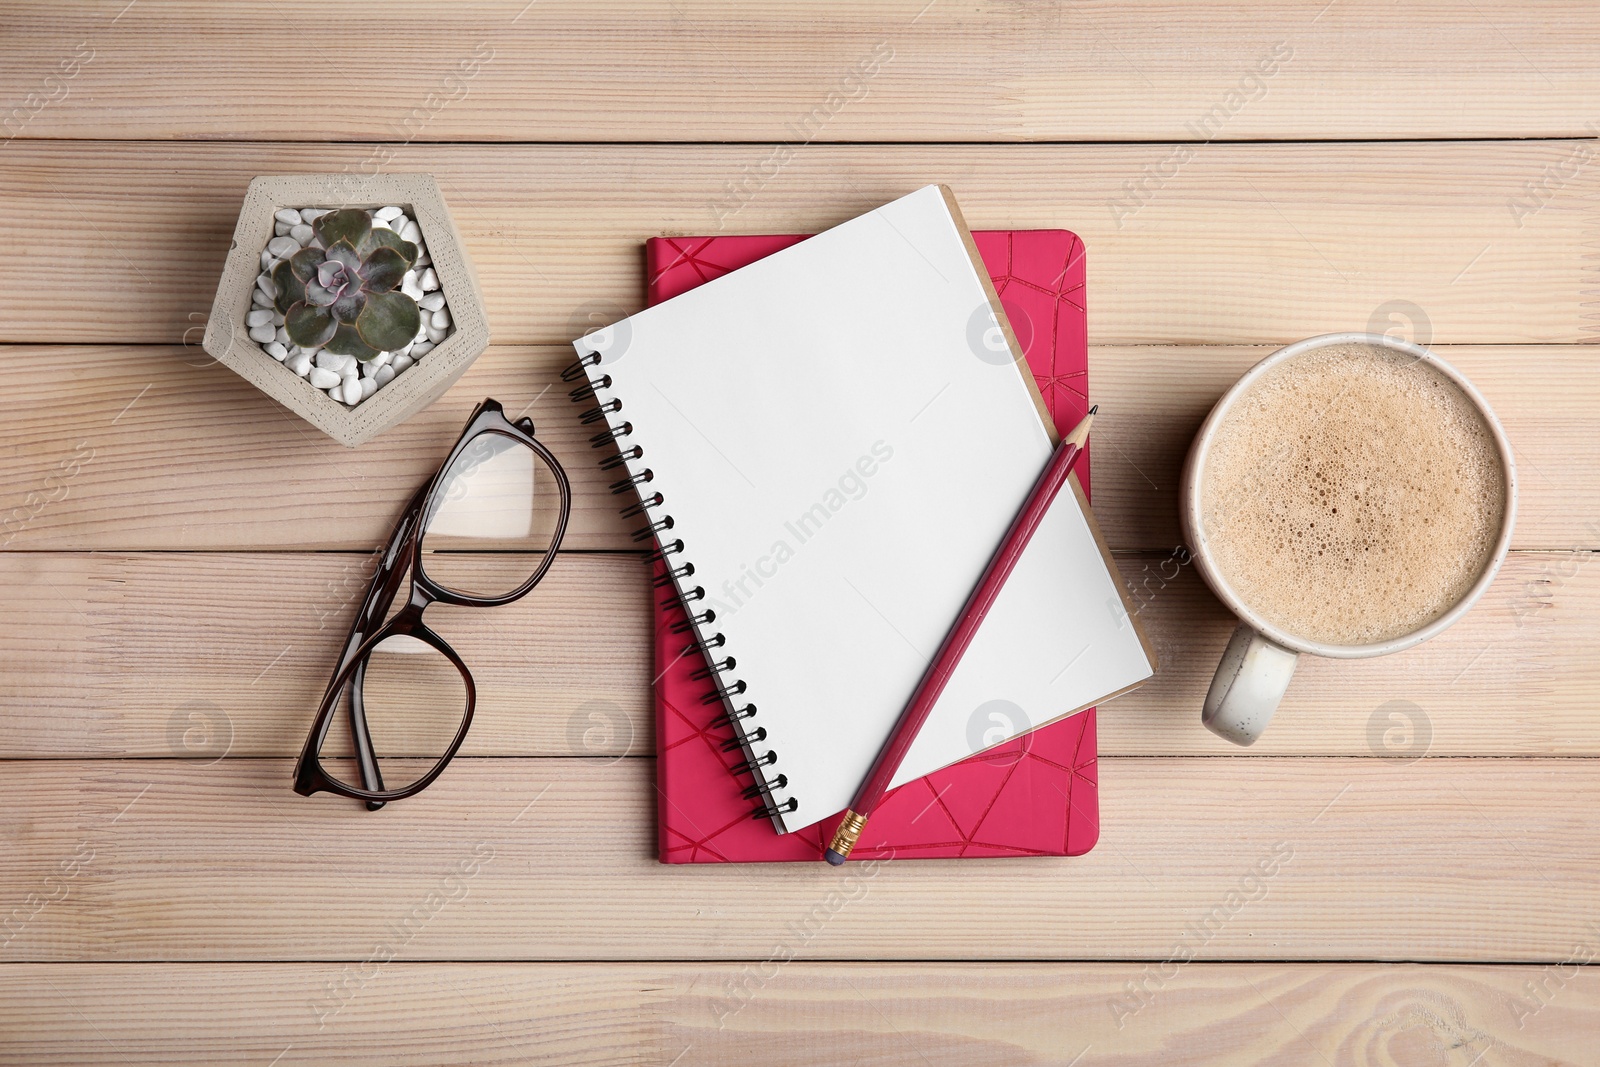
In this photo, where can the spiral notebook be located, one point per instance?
(824, 524)
(1035, 795)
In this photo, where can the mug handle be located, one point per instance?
(1249, 683)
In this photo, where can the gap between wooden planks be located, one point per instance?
(904, 70)
(927, 1015)
(1252, 243)
(170, 451)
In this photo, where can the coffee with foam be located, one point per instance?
(1352, 495)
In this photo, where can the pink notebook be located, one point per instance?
(1036, 795)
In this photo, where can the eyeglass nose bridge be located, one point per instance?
(420, 599)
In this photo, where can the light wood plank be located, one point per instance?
(206, 655)
(894, 71)
(1464, 860)
(918, 1015)
(137, 447)
(1253, 243)
(202, 655)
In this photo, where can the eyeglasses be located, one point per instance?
(480, 533)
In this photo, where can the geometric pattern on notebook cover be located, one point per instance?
(1036, 795)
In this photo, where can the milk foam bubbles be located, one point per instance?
(1352, 495)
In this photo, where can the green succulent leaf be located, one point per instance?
(383, 237)
(344, 252)
(383, 270)
(389, 320)
(291, 290)
(309, 326)
(347, 224)
(305, 263)
(347, 342)
(316, 293)
(348, 307)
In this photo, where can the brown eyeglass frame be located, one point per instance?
(405, 547)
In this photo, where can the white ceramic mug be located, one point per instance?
(1260, 659)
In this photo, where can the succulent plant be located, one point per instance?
(341, 296)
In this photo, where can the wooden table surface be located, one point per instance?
(180, 554)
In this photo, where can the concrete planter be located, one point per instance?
(227, 339)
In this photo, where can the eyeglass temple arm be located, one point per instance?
(366, 758)
(379, 599)
(386, 584)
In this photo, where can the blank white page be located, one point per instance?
(841, 454)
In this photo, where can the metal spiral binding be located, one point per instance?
(766, 759)
(590, 388)
(759, 734)
(753, 791)
(702, 673)
(772, 811)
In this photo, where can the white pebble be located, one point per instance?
(369, 368)
(280, 228)
(384, 214)
(259, 318)
(441, 319)
(263, 334)
(401, 363)
(309, 215)
(384, 376)
(368, 387)
(421, 348)
(379, 224)
(429, 280)
(323, 379)
(277, 351)
(260, 299)
(333, 361)
(288, 215)
(337, 392)
(266, 260)
(411, 231)
(352, 391)
(265, 283)
(433, 301)
(283, 246)
(302, 233)
(300, 364)
(422, 257)
(435, 334)
(277, 317)
(409, 286)
(281, 335)
(380, 360)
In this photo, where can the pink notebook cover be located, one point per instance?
(1036, 795)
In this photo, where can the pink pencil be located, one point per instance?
(926, 695)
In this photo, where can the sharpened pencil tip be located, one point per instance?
(1094, 409)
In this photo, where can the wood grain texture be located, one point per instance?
(1464, 860)
(906, 70)
(201, 655)
(896, 1015)
(1251, 243)
(141, 447)
(177, 553)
